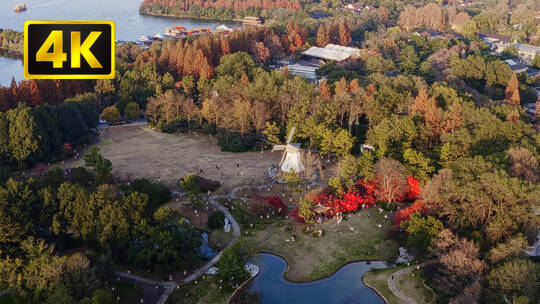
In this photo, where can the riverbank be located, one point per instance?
(145, 13)
(149, 12)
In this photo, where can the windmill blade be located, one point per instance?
(279, 148)
(282, 158)
(291, 134)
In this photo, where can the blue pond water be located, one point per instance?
(343, 287)
(206, 251)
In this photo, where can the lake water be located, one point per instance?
(10, 67)
(129, 23)
(343, 287)
(125, 14)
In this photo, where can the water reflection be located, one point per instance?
(125, 13)
(11, 65)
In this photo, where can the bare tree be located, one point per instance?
(523, 164)
(390, 179)
(460, 267)
(260, 114)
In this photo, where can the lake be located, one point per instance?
(10, 67)
(125, 14)
(343, 287)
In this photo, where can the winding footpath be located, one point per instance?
(234, 225)
(168, 287)
(236, 234)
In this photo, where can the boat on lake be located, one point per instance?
(157, 37)
(144, 40)
(20, 8)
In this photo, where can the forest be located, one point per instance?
(123, 223)
(219, 9)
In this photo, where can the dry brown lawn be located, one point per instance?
(137, 151)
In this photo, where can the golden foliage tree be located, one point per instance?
(512, 91)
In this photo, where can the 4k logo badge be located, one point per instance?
(69, 50)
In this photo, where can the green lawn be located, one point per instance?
(311, 258)
(412, 286)
(378, 279)
(204, 291)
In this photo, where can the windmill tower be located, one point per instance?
(292, 158)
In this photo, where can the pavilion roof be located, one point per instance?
(320, 208)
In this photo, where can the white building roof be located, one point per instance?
(527, 48)
(223, 28)
(332, 52)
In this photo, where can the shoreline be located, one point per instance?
(316, 280)
(16, 53)
(321, 278)
(374, 289)
(146, 13)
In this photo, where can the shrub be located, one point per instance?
(276, 202)
(216, 220)
(206, 185)
(80, 176)
(289, 227)
(316, 233)
(110, 114)
(132, 111)
(5, 174)
(157, 193)
(235, 142)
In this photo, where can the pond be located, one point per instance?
(343, 287)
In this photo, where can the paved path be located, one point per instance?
(236, 234)
(394, 278)
(267, 235)
(169, 286)
(137, 122)
(234, 224)
(392, 284)
(151, 293)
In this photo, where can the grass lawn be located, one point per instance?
(239, 209)
(203, 292)
(311, 258)
(378, 279)
(137, 152)
(412, 286)
(6, 300)
(128, 292)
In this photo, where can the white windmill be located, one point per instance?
(292, 158)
